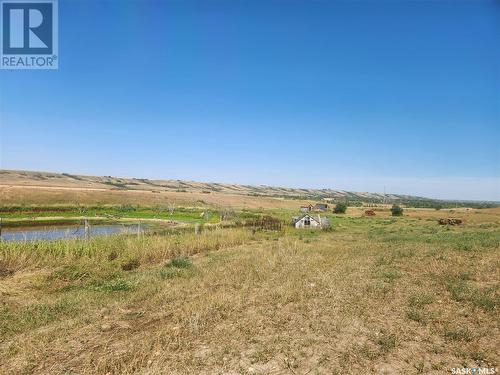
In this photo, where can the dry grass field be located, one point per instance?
(25, 187)
(90, 196)
(69, 182)
(377, 295)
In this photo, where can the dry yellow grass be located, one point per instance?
(31, 179)
(471, 215)
(375, 295)
(58, 195)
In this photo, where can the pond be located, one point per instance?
(56, 232)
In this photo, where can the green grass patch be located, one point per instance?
(133, 212)
(180, 262)
(420, 299)
(463, 291)
(14, 320)
(417, 316)
(73, 272)
(389, 274)
(177, 267)
(460, 334)
(386, 341)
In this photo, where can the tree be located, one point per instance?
(396, 210)
(340, 208)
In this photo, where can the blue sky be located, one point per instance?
(354, 95)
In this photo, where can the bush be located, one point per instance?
(396, 210)
(340, 208)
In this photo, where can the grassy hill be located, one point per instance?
(71, 182)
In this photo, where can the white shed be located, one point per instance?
(306, 221)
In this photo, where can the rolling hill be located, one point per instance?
(33, 179)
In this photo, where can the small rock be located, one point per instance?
(104, 311)
(124, 325)
(106, 327)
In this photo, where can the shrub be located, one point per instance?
(396, 210)
(340, 208)
(180, 262)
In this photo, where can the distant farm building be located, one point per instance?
(320, 207)
(306, 208)
(306, 221)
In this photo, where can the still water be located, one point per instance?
(57, 232)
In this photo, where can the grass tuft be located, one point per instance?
(71, 272)
(180, 262)
(386, 341)
(460, 334)
(417, 316)
(117, 285)
(420, 299)
(176, 267)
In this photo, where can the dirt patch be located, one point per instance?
(5, 270)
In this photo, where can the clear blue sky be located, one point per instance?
(354, 95)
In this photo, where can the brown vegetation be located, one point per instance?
(450, 221)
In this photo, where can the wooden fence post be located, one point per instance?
(86, 229)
